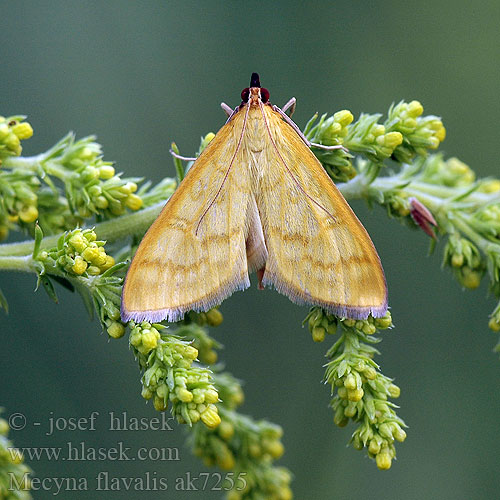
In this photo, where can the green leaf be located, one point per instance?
(48, 287)
(3, 302)
(38, 240)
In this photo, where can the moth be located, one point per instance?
(256, 199)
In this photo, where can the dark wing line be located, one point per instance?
(227, 171)
(288, 170)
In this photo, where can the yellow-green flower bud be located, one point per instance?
(90, 235)
(343, 117)
(93, 271)
(469, 278)
(133, 202)
(206, 141)
(399, 434)
(28, 213)
(116, 330)
(383, 460)
(79, 266)
(415, 109)
(226, 430)
(214, 317)
(194, 415)
(90, 173)
(394, 391)
(369, 329)
(106, 172)
(22, 130)
(211, 396)
(391, 140)
(4, 232)
(350, 382)
(460, 169)
(13, 143)
(342, 392)
(160, 404)
(210, 357)
(149, 339)
(210, 417)
(226, 460)
(318, 334)
(490, 186)
(355, 394)
(370, 373)
(274, 447)
(4, 131)
(78, 242)
(184, 395)
(494, 324)
(350, 410)
(457, 260)
(4, 427)
(374, 446)
(110, 262)
(146, 393)
(101, 202)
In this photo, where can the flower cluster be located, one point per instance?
(419, 133)
(171, 376)
(202, 341)
(79, 252)
(91, 186)
(12, 469)
(13, 130)
(19, 193)
(80, 260)
(245, 446)
(360, 391)
(372, 139)
(332, 131)
(465, 260)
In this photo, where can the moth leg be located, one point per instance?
(184, 158)
(260, 276)
(302, 136)
(290, 105)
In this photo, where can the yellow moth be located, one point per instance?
(256, 199)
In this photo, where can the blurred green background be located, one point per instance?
(141, 74)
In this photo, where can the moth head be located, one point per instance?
(254, 90)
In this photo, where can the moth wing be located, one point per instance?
(319, 252)
(193, 256)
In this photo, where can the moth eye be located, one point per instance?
(264, 95)
(245, 94)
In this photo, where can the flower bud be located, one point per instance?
(343, 117)
(116, 330)
(210, 417)
(22, 130)
(28, 213)
(106, 172)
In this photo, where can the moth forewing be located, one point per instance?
(191, 257)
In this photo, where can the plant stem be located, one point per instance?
(133, 224)
(15, 263)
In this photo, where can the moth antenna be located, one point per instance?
(328, 148)
(183, 158)
(302, 136)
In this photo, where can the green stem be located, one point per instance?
(133, 224)
(15, 263)
(24, 162)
